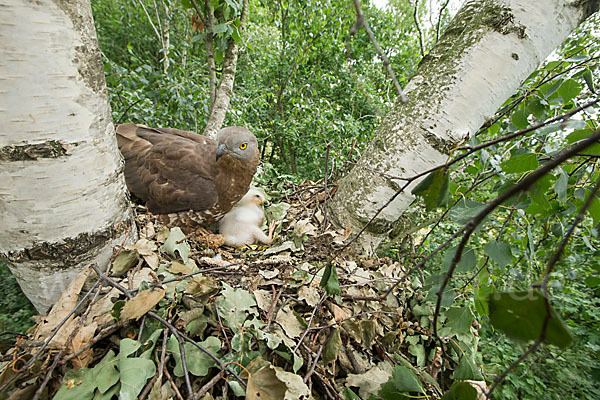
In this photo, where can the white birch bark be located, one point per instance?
(222, 96)
(62, 191)
(490, 47)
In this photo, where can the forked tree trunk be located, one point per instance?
(62, 192)
(490, 47)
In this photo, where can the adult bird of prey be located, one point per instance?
(189, 179)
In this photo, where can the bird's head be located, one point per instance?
(253, 196)
(237, 142)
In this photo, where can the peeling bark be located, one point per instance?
(489, 48)
(62, 191)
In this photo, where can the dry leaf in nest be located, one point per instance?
(141, 303)
(288, 321)
(264, 299)
(65, 304)
(148, 250)
(179, 268)
(148, 231)
(309, 294)
(80, 340)
(339, 313)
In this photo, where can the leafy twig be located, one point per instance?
(524, 184)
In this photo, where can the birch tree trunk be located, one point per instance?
(224, 91)
(62, 192)
(489, 48)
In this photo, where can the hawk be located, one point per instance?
(189, 179)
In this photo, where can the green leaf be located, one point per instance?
(518, 164)
(535, 107)
(519, 119)
(78, 384)
(465, 210)
(332, 347)
(481, 305)
(550, 87)
(220, 28)
(350, 395)
(418, 350)
(589, 80)
(459, 319)
(124, 261)
(109, 394)
(592, 281)
(434, 189)
(235, 306)
(186, 4)
(594, 209)
(198, 362)
(176, 243)
(106, 373)
(467, 370)
(406, 381)
(499, 252)
(468, 259)
(134, 371)
(403, 380)
(330, 281)
(277, 211)
(569, 90)
(461, 391)
(236, 36)
(520, 315)
(561, 186)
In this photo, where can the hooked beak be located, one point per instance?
(221, 150)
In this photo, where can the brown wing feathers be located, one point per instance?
(173, 170)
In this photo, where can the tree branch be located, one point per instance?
(360, 20)
(420, 33)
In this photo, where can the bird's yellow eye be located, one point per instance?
(243, 146)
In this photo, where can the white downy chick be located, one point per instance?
(241, 225)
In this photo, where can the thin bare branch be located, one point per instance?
(360, 20)
(418, 26)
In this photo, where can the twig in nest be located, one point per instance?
(221, 327)
(82, 319)
(104, 333)
(312, 316)
(163, 359)
(311, 370)
(173, 385)
(186, 373)
(209, 385)
(271, 313)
